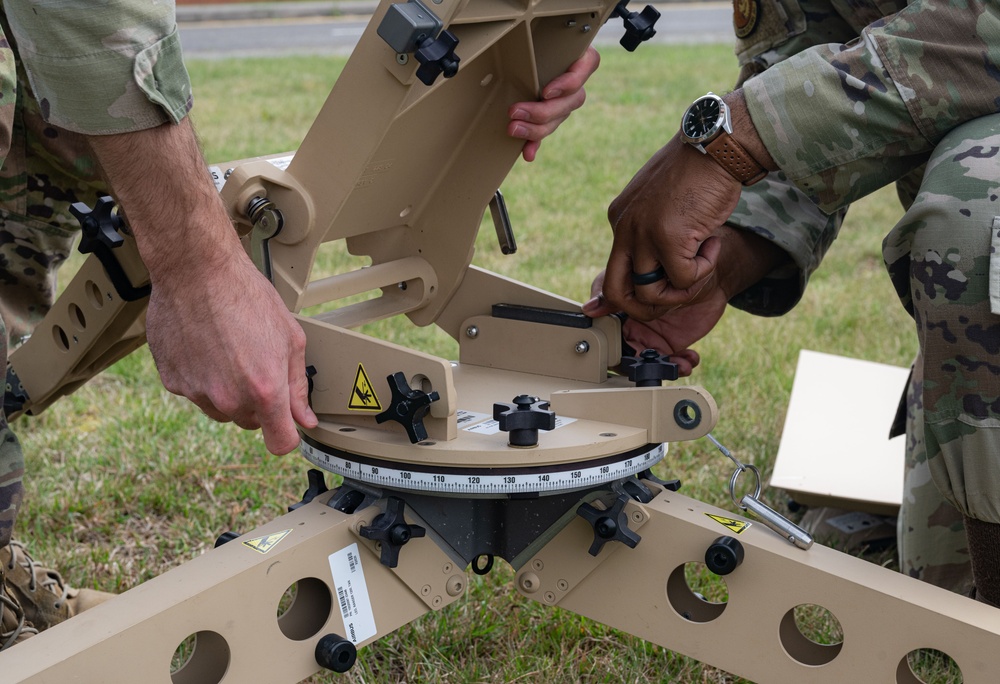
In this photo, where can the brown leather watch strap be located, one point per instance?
(736, 160)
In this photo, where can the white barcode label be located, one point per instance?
(352, 594)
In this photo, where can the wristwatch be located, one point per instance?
(708, 127)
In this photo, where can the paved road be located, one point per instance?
(695, 23)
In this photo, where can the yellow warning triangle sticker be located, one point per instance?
(267, 542)
(363, 397)
(736, 526)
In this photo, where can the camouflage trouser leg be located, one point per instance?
(944, 261)
(46, 171)
(11, 459)
(11, 467)
(930, 531)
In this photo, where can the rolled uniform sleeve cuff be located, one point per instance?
(108, 92)
(777, 211)
(837, 136)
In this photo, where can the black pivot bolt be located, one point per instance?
(408, 407)
(638, 26)
(336, 653)
(724, 555)
(523, 419)
(391, 531)
(649, 369)
(609, 525)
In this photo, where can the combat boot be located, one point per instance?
(13, 627)
(45, 598)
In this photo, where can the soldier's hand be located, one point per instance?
(666, 217)
(226, 341)
(533, 121)
(673, 331)
(744, 258)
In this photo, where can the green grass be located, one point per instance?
(126, 481)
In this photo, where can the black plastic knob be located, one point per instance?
(649, 369)
(100, 225)
(609, 525)
(724, 555)
(317, 486)
(101, 236)
(436, 57)
(523, 418)
(408, 407)
(336, 653)
(638, 25)
(225, 538)
(391, 531)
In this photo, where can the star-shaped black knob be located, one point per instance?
(408, 407)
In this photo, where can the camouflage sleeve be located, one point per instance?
(102, 68)
(777, 211)
(842, 120)
(769, 32)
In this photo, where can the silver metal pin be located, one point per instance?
(777, 522)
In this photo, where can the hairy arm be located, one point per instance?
(218, 331)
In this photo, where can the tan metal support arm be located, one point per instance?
(644, 591)
(232, 597)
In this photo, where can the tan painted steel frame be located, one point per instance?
(230, 596)
(402, 173)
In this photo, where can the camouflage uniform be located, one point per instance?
(848, 96)
(68, 70)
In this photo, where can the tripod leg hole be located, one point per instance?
(304, 608)
(811, 634)
(201, 658)
(696, 593)
(927, 665)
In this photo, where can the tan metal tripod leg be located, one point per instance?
(229, 598)
(884, 615)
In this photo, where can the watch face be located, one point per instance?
(703, 118)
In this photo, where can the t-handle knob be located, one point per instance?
(100, 225)
(437, 56)
(638, 26)
(523, 419)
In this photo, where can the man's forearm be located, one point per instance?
(160, 179)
